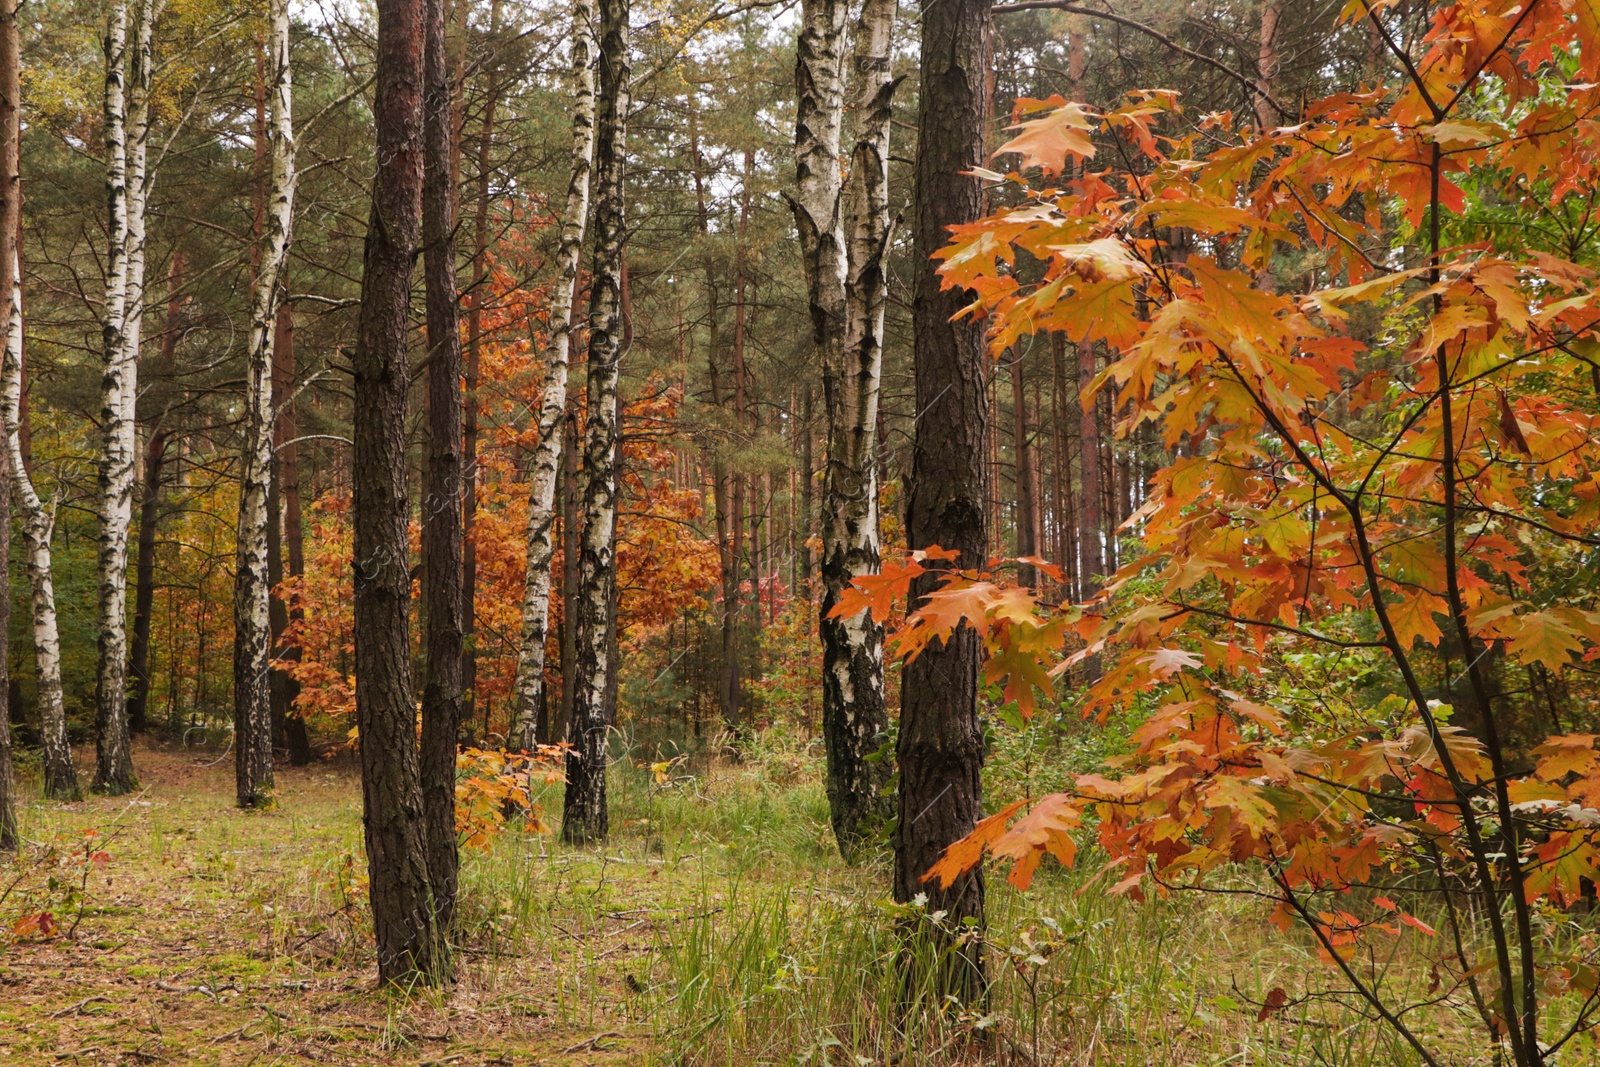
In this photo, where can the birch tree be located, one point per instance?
(10, 279)
(584, 815)
(127, 137)
(529, 691)
(252, 642)
(844, 231)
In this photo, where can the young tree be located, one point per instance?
(403, 917)
(529, 693)
(441, 502)
(584, 815)
(126, 116)
(1385, 475)
(252, 641)
(940, 749)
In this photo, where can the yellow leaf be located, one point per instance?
(1412, 617)
(1047, 142)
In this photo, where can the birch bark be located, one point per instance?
(10, 279)
(528, 693)
(844, 231)
(252, 590)
(38, 523)
(127, 138)
(584, 816)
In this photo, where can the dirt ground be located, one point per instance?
(182, 930)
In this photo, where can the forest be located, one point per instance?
(800, 532)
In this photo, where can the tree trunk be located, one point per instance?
(10, 281)
(808, 473)
(127, 138)
(469, 433)
(287, 517)
(584, 817)
(402, 899)
(1267, 63)
(940, 748)
(155, 454)
(441, 497)
(570, 492)
(528, 696)
(1027, 493)
(1091, 533)
(252, 586)
(38, 522)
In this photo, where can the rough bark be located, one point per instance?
(8, 781)
(940, 749)
(402, 899)
(584, 816)
(127, 137)
(1091, 525)
(469, 428)
(144, 583)
(286, 517)
(1267, 64)
(528, 694)
(252, 586)
(441, 500)
(1027, 488)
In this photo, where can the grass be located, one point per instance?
(717, 927)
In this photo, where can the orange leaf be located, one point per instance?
(967, 853)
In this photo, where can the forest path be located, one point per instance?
(210, 935)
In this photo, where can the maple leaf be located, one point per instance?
(1568, 753)
(1543, 637)
(1412, 617)
(877, 592)
(1047, 142)
(965, 854)
(1165, 662)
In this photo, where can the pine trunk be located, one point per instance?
(1027, 493)
(287, 518)
(1091, 532)
(144, 584)
(441, 496)
(252, 587)
(528, 696)
(402, 899)
(584, 816)
(940, 748)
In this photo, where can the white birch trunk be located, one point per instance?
(252, 647)
(38, 521)
(584, 813)
(844, 231)
(528, 692)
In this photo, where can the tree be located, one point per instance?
(441, 503)
(584, 815)
(409, 944)
(546, 462)
(940, 749)
(1379, 477)
(127, 138)
(252, 641)
(10, 282)
(844, 229)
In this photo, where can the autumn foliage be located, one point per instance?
(1383, 422)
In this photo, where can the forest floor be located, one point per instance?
(717, 926)
(211, 935)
